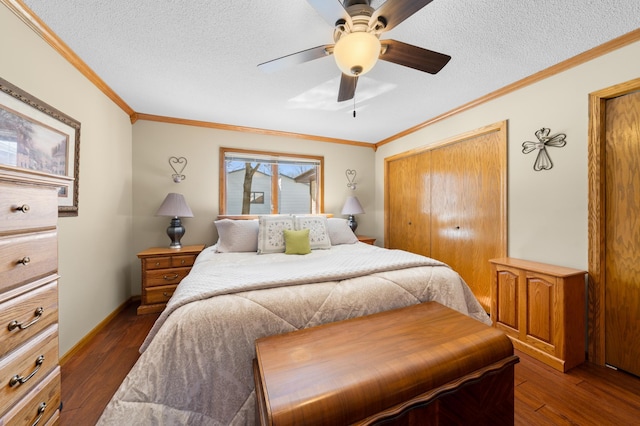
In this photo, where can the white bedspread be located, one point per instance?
(196, 364)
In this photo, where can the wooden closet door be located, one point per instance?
(468, 219)
(408, 181)
(622, 233)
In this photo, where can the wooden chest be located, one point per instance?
(424, 364)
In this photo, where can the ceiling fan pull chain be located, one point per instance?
(354, 105)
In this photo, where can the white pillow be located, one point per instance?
(271, 233)
(237, 235)
(339, 232)
(318, 230)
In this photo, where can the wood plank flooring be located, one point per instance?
(587, 395)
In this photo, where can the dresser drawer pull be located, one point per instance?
(23, 208)
(167, 294)
(18, 380)
(41, 409)
(24, 261)
(170, 277)
(15, 324)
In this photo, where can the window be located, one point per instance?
(256, 182)
(257, 198)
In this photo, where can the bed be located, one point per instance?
(196, 363)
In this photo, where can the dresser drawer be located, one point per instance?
(24, 363)
(24, 316)
(28, 256)
(165, 276)
(159, 294)
(38, 207)
(40, 405)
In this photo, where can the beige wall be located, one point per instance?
(155, 142)
(94, 248)
(547, 210)
(124, 174)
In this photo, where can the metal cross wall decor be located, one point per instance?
(543, 161)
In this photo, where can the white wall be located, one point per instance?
(155, 142)
(547, 210)
(94, 248)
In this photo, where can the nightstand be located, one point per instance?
(365, 239)
(162, 269)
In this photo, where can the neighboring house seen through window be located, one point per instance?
(256, 182)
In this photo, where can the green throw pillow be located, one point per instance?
(297, 242)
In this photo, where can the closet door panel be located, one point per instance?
(409, 203)
(467, 206)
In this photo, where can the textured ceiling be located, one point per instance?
(197, 59)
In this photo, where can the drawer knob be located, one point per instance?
(167, 294)
(18, 380)
(41, 408)
(24, 261)
(15, 324)
(23, 208)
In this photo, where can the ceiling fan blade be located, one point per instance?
(347, 87)
(296, 58)
(331, 10)
(413, 56)
(396, 11)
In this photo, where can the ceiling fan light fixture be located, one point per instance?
(356, 53)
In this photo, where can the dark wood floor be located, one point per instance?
(587, 395)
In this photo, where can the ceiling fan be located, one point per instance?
(357, 45)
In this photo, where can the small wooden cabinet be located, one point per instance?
(162, 271)
(541, 308)
(366, 240)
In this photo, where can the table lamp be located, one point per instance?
(175, 207)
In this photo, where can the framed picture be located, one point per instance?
(36, 136)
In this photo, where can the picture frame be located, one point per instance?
(36, 136)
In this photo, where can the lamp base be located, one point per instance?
(351, 221)
(175, 231)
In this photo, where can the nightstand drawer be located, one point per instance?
(184, 260)
(160, 294)
(24, 316)
(157, 262)
(165, 276)
(28, 256)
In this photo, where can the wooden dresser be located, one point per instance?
(541, 307)
(29, 370)
(162, 270)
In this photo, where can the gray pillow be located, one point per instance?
(237, 235)
(339, 232)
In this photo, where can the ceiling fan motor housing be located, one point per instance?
(357, 45)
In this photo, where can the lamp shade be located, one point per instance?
(352, 206)
(174, 205)
(356, 53)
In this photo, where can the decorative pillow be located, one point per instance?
(339, 232)
(318, 230)
(237, 235)
(270, 233)
(297, 242)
